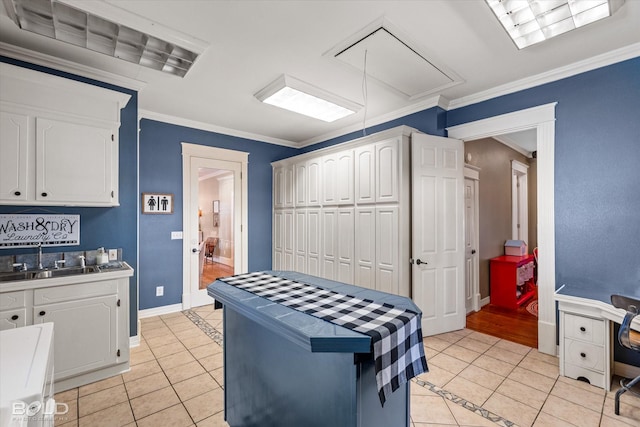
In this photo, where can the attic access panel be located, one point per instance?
(394, 61)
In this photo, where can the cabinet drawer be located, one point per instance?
(584, 328)
(74, 292)
(10, 300)
(583, 354)
(11, 319)
(595, 378)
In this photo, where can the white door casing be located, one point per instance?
(472, 238)
(541, 118)
(438, 269)
(519, 201)
(196, 156)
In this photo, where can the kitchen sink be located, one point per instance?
(46, 274)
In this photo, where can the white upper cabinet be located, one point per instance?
(58, 140)
(344, 180)
(365, 182)
(301, 184)
(329, 180)
(313, 182)
(283, 186)
(387, 171)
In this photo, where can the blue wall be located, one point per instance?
(109, 227)
(597, 174)
(161, 172)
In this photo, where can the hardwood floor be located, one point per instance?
(211, 271)
(518, 326)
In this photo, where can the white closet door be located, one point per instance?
(345, 247)
(329, 244)
(313, 242)
(278, 239)
(365, 176)
(387, 247)
(329, 180)
(387, 171)
(301, 241)
(344, 177)
(313, 182)
(301, 184)
(288, 243)
(289, 194)
(278, 187)
(365, 247)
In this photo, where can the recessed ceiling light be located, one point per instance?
(71, 22)
(300, 97)
(531, 21)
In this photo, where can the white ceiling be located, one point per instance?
(251, 43)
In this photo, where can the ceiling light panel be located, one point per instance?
(61, 21)
(532, 21)
(303, 98)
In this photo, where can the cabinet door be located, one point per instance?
(365, 247)
(344, 240)
(14, 152)
(314, 242)
(75, 163)
(288, 241)
(387, 171)
(365, 174)
(278, 187)
(278, 240)
(11, 319)
(86, 333)
(387, 247)
(301, 184)
(313, 182)
(344, 177)
(329, 179)
(288, 186)
(329, 243)
(301, 241)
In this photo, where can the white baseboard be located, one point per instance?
(626, 371)
(157, 311)
(485, 301)
(134, 341)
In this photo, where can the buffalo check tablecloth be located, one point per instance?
(395, 333)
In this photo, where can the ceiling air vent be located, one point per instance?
(68, 22)
(395, 61)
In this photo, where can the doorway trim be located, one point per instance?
(190, 151)
(542, 119)
(473, 173)
(519, 201)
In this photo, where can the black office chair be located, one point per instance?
(627, 338)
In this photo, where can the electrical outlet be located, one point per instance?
(159, 291)
(113, 254)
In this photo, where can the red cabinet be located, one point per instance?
(512, 280)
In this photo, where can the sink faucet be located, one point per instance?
(39, 255)
(22, 265)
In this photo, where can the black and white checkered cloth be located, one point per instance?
(396, 333)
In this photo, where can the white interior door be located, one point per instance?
(438, 270)
(195, 159)
(471, 285)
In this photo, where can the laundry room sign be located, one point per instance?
(21, 230)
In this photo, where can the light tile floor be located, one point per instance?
(474, 380)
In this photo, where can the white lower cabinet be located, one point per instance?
(91, 326)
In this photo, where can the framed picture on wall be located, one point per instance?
(157, 203)
(216, 206)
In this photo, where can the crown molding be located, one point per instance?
(505, 140)
(60, 64)
(618, 55)
(436, 101)
(181, 121)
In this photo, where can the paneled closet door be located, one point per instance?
(329, 243)
(329, 173)
(301, 241)
(387, 171)
(344, 239)
(365, 176)
(314, 242)
(289, 182)
(278, 240)
(365, 247)
(301, 184)
(288, 241)
(278, 187)
(344, 177)
(313, 182)
(387, 249)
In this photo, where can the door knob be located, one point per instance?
(194, 250)
(419, 261)
(473, 251)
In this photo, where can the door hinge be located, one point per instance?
(113, 193)
(113, 137)
(118, 353)
(118, 303)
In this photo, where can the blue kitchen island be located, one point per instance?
(283, 367)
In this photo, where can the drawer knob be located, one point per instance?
(17, 193)
(582, 328)
(583, 355)
(14, 317)
(42, 313)
(44, 194)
